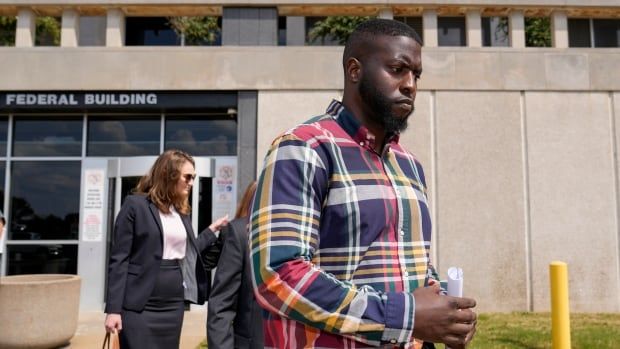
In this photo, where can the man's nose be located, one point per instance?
(408, 85)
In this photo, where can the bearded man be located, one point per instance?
(340, 229)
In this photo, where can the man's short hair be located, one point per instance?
(366, 31)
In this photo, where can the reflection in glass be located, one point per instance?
(579, 32)
(150, 31)
(2, 175)
(414, 22)
(451, 31)
(202, 136)
(45, 200)
(42, 259)
(4, 125)
(127, 186)
(129, 136)
(606, 32)
(204, 202)
(42, 136)
(495, 31)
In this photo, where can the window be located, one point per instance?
(281, 31)
(42, 259)
(2, 177)
(202, 135)
(45, 200)
(537, 32)
(173, 31)
(4, 125)
(150, 31)
(92, 31)
(451, 31)
(318, 40)
(47, 136)
(495, 31)
(606, 32)
(8, 24)
(123, 136)
(47, 31)
(579, 32)
(413, 22)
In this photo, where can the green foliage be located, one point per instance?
(538, 32)
(7, 30)
(195, 30)
(336, 28)
(47, 31)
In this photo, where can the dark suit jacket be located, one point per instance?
(136, 253)
(234, 317)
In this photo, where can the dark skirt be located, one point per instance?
(158, 326)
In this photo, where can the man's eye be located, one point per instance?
(397, 69)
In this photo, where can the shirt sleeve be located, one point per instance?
(284, 237)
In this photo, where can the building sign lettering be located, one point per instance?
(85, 99)
(115, 100)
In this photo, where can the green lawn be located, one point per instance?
(533, 331)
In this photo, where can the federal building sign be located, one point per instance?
(84, 99)
(115, 100)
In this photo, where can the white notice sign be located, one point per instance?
(91, 225)
(92, 217)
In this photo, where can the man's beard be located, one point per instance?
(381, 107)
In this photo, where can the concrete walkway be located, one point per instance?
(90, 331)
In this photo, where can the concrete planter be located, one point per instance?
(38, 311)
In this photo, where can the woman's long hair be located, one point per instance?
(161, 182)
(244, 206)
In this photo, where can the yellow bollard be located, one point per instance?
(560, 320)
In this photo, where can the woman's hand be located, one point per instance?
(113, 323)
(218, 224)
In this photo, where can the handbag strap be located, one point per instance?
(106, 340)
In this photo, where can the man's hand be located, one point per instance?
(113, 323)
(443, 319)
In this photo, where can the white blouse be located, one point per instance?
(175, 235)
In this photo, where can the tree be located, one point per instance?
(47, 31)
(7, 30)
(335, 28)
(538, 31)
(195, 30)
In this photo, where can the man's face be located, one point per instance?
(388, 84)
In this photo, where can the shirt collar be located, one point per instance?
(354, 127)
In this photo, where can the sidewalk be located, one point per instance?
(90, 332)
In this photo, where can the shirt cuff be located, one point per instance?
(399, 318)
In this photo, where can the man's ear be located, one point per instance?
(353, 69)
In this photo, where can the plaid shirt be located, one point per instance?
(340, 237)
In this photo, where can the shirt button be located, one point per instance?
(406, 274)
(362, 144)
(402, 233)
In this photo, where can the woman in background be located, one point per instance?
(234, 318)
(155, 263)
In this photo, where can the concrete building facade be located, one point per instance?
(519, 143)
